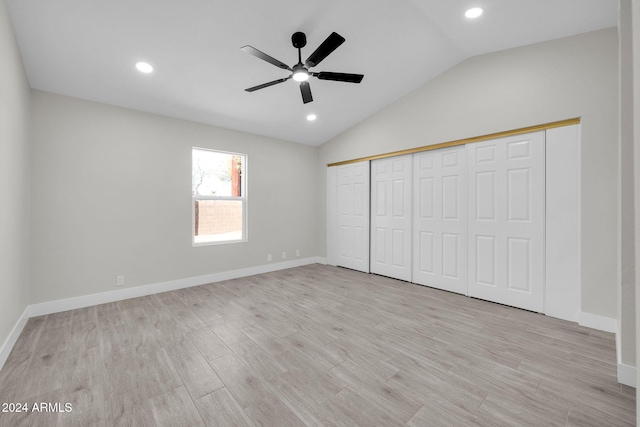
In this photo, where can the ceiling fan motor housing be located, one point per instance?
(299, 40)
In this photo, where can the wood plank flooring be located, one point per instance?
(313, 346)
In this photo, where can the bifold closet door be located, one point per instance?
(440, 219)
(506, 220)
(391, 182)
(353, 216)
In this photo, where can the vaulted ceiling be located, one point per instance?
(88, 48)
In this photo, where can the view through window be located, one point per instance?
(218, 182)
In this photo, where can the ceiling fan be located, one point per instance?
(300, 72)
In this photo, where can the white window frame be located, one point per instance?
(243, 199)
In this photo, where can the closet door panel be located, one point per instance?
(440, 219)
(353, 216)
(507, 179)
(391, 236)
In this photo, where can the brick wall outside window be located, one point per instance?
(217, 216)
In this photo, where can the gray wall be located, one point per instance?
(540, 83)
(626, 296)
(14, 180)
(112, 196)
(636, 156)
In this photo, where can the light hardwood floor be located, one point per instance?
(317, 346)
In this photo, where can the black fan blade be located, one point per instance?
(339, 77)
(262, 86)
(305, 89)
(329, 45)
(255, 52)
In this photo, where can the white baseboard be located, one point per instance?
(563, 314)
(140, 291)
(8, 344)
(627, 375)
(600, 323)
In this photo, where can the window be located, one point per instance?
(218, 189)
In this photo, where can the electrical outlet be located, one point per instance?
(284, 255)
(297, 252)
(269, 258)
(119, 280)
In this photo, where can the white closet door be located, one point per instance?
(506, 220)
(391, 181)
(333, 248)
(440, 219)
(353, 216)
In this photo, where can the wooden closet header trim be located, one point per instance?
(520, 131)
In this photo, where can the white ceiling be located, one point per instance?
(87, 48)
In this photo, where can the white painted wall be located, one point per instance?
(14, 180)
(556, 80)
(112, 196)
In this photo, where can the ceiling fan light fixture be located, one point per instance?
(144, 67)
(474, 12)
(300, 75)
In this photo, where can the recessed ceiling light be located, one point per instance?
(144, 67)
(474, 12)
(311, 117)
